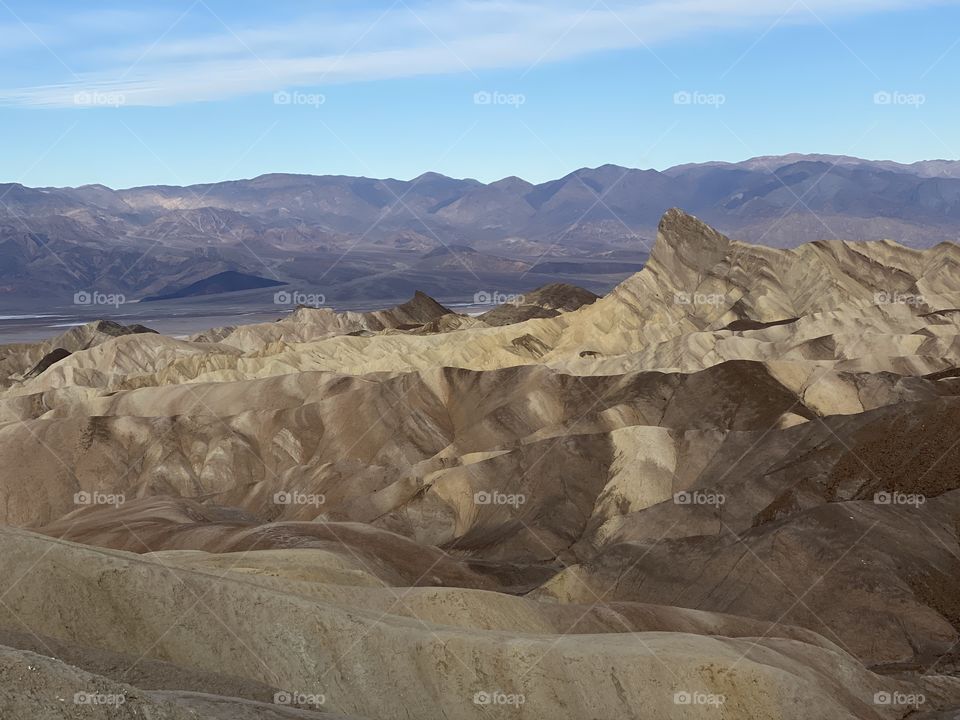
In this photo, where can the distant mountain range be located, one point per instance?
(355, 237)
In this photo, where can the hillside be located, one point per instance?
(728, 488)
(381, 239)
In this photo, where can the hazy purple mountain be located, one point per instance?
(355, 234)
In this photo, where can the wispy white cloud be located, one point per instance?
(212, 57)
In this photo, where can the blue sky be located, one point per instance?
(188, 91)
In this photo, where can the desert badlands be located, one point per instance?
(728, 489)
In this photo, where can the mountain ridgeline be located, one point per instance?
(355, 237)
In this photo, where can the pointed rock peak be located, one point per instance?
(676, 221)
(684, 238)
(560, 296)
(422, 307)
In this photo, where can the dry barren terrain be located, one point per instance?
(730, 488)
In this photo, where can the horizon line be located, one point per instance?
(801, 156)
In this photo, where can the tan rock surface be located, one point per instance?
(735, 476)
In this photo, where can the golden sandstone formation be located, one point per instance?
(728, 489)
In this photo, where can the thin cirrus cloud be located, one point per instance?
(204, 56)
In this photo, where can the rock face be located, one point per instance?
(17, 361)
(730, 488)
(52, 357)
(546, 302)
(312, 323)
